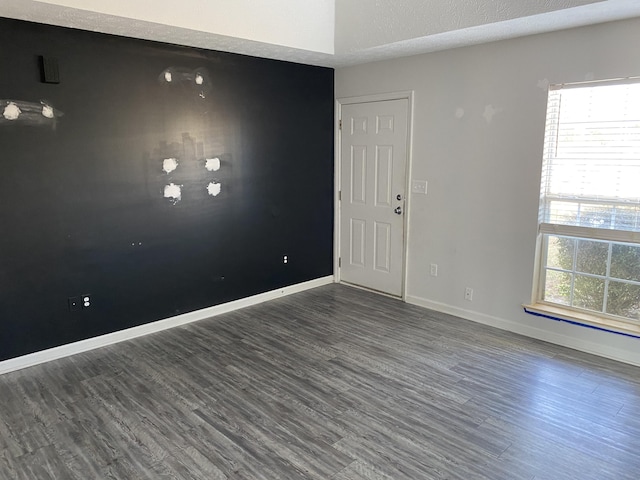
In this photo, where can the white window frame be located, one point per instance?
(572, 313)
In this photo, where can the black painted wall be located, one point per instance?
(82, 206)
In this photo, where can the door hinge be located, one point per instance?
(339, 124)
(339, 262)
(340, 195)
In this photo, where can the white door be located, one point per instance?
(373, 155)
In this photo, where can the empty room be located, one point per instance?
(320, 239)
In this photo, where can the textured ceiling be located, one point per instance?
(591, 14)
(474, 22)
(370, 23)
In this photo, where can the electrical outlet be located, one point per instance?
(86, 300)
(419, 186)
(468, 294)
(434, 270)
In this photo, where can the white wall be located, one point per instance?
(478, 221)
(307, 25)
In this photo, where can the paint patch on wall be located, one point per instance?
(489, 112)
(212, 164)
(589, 76)
(459, 113)
(169, 164)
(47, 111)
(198, 78)
(28, 113)
(214, 189)
(173, 192)
(11, 111)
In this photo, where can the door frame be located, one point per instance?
(408, 95)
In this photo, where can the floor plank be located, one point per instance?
(334, 383)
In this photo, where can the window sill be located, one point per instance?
(584, 319)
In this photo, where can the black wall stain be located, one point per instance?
(82, 207)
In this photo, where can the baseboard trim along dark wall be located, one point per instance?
(142, 181)
(50, 354)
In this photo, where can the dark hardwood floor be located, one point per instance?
(334, 384)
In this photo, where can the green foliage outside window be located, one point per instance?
(591, 257)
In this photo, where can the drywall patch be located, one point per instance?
(543, 84)
(212, 164)
(180, 75)
(28, 113)
(459, 113)
(169, 164)
(173, 192)
(47, 110)
(214, 189)
(197, 80)
(11, 111)
(489, 112)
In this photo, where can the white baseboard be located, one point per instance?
(122, 335)
(583, 345)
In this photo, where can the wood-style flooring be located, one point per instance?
(334, 384)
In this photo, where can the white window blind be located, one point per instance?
(591, 167)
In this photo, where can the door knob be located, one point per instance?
(398, 210)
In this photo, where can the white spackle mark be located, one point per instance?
(199, 79)
(489, 112)
(214, 188)
(47, 111)
(212, 164)
(168, 77)
(543, 84)
(201, 95)
(11, 111)
(459, 112)
(169, 164)
(173, 192)
(589, 76)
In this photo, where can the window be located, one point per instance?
(589, 220)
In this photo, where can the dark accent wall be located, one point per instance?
(82, 185)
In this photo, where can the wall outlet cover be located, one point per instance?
(419, 186)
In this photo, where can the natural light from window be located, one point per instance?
(590, 200)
